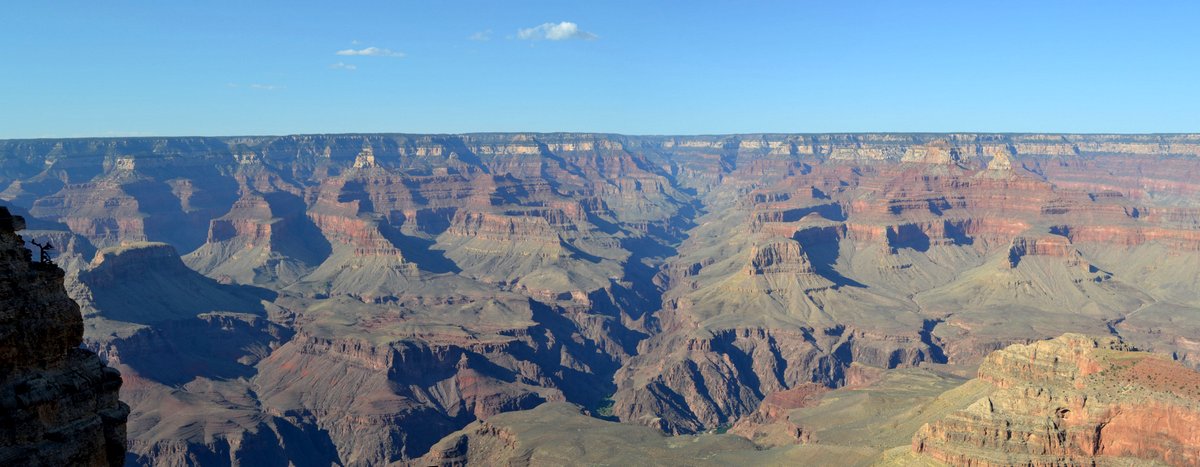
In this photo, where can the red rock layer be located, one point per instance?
(717, 269)
(768, 425)
(1073, 400)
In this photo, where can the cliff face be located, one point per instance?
(372, 293)
(1073, 400)
(59, 402)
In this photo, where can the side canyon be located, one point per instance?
(384, 298)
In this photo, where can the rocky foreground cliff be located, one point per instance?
(58, 402)
(356, 298)
(1073, 400)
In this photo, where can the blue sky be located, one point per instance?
(190, 67)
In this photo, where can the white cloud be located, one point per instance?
(555, 32)
(344, 66)
(372, 52)
(481, 36)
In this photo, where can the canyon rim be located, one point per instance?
(566, 233)
(361, 299)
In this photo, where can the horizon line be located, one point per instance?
(634, 135)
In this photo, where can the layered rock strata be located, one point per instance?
(1073, 400)
(681, 280)
(59, 402)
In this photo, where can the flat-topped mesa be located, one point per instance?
(778, 256)
(119, 264)
(148, 283)
(249, 222)
(1073, 400)
(354, 210)
(59, 401)
(791, 209)
(363, 236)
(402, 356)
(1055, 246)
(265, 237)
(274, 222)
(505, 227)
(915, 234)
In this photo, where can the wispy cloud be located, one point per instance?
(344, 66)
(371, 52)
(555, 32)
(481, 36)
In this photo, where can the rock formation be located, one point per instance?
(59, 402)
(1073, 400)
(769, 424)
(376, 292)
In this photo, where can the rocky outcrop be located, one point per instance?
(102, 212)
(60, 402)
(391, 402)
(264, 239)
(779, 257)
(1073, 400)
(146, 283)
(768, 426)
(682, 279)
(709, 382)
(1045, 245)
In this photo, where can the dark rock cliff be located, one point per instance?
(59, 402)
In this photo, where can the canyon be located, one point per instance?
(366, 299)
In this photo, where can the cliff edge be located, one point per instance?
(59, 401)
(1073, 400)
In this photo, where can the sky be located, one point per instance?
(191, 67)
